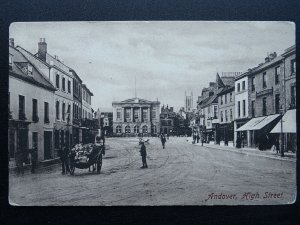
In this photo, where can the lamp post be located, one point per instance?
(281, 134)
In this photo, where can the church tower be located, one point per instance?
(188, 102)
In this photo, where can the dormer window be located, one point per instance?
(29, 70)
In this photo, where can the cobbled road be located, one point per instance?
(181, 174)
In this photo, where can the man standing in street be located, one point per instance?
(33, 155)
(143, 154)
(198, 138)
(63, 157)
(19, 161)
(163, 140)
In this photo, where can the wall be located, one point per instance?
(19, 87)
(240, 96)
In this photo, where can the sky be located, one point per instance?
(165, 58)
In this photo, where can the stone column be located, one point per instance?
(122, 114)
(131, 114)
(141, 115)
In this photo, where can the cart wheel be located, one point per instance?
(99, 163)
(71, 165)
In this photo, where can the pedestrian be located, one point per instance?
(194, 138)
(238, 142)
(64, 157)
(226, 141)
(163, 140)
(202, 139)
(19, 161)
(144, 155)
(198, 138)
(33, 155)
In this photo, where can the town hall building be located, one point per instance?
(135, 116)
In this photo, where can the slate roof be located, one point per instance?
(20, 62)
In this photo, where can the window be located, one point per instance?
(230, 97)
(118, 113)
(136, 129)
(293, 66)
(215, 112)
(253, 108)
(63, 111)
(264, 106)
(244, 108)
(69, 86)
(277, 103)
(293, 96)
(46, 112)
(239, 109)
(225, 98)
(145, 112)
(264, 80)
(154, 129)
(64, 84)
(136, 115)
(128, 115)
(221, 99)
(34, 110)
(277, 74)
(243, 85)
(29, 70)
(22, 107)
(239, 87)
(118, 129)
(57, 81)
(221, 116)
(57, 110)
(69, 112)
(153, 113)
(127, 129)
(231, 115)
(145, 129)
(226, 116)
(252, 84)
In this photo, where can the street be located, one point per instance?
(181, 174)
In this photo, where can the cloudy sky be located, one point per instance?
(167, 58)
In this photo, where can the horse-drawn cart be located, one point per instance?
(85, 156)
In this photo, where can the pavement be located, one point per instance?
(288, 156)
(181, 174)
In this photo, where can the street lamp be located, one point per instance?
(281, 134)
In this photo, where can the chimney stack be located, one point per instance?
(42, 51)
(11, 42)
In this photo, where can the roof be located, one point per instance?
(264, 66)
(226, 89)
(208, 101)
(19, 63)
(85, 87)
(289, 51)
(137, 100)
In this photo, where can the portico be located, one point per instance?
(135, 116)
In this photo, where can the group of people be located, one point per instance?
(22, 156)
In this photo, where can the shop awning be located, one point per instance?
(289, 123)
(258, 122)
